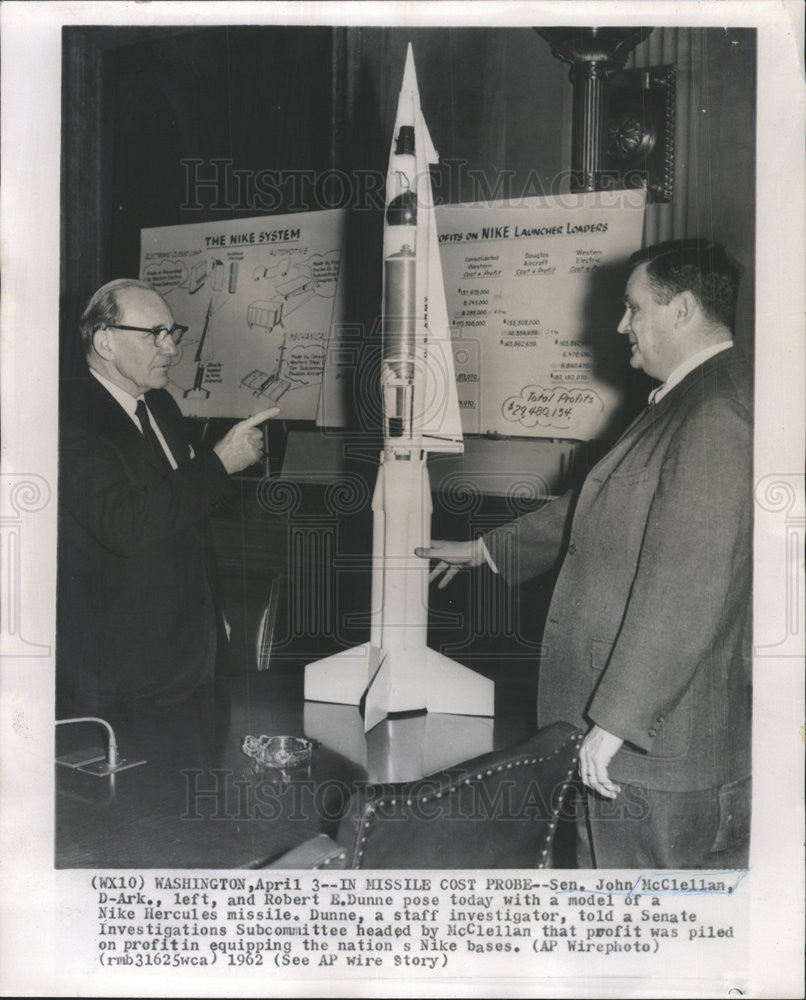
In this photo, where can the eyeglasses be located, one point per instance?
(159, 333)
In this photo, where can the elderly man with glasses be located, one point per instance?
(138, 622)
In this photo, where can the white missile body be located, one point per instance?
(396, 670)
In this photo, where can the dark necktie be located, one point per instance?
(151, 437)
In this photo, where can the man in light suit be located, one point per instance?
(647, 642)
(138, 622)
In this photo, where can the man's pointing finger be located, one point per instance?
(258, 418)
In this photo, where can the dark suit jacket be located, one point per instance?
(136, 614)
(648, 629)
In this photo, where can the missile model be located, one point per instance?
(396, 671)
(202, 356)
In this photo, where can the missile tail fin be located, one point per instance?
(429, 150)
(455, 689)
(444, 431)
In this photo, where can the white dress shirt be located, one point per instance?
(129, 404)
(688, 365)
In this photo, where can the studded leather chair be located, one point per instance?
(499, 810)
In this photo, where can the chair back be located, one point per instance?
(499, 810)
(250, 605)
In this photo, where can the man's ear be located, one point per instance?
(102, 344)
(685, 308)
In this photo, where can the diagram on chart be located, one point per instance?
(204, 355)
(259, 298)
(272, 270)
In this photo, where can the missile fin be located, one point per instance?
(444, 434)
(376, 706)
(343, 677)
(429, 149)
(455, 689)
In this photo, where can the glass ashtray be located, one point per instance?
(280, 751)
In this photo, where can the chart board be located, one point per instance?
(259, 297)
(525, 283)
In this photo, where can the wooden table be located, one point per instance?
(199, 802)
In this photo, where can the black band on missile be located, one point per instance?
(405, 141)
(395, 427)
(402, 211)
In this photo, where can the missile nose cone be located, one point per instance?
(409, 74)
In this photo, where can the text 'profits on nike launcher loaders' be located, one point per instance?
(396, 671)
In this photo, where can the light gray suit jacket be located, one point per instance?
(648, 632)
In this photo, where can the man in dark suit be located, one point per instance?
(647, 642)
(138, 622)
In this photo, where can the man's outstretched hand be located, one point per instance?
(450, 557)
(242, 445)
